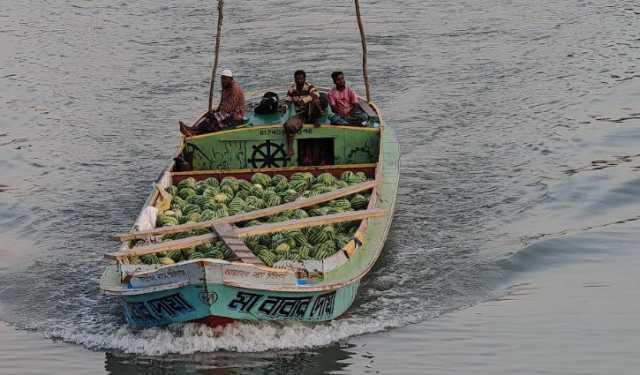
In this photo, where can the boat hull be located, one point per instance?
(219, 303)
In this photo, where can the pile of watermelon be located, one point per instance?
(196, 201)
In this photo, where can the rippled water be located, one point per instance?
(514, 243)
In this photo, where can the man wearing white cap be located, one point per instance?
(229, 113)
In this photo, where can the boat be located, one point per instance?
(332, 169)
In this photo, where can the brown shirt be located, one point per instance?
(232, 101)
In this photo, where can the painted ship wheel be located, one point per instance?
(268, 155)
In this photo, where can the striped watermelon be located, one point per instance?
(261, 178)
(326, 179)
(189, 182)
(212, 182)
(359, 202)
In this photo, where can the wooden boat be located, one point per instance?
(243, 286)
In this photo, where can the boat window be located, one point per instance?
(317, 151)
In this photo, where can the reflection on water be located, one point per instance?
(518, 128)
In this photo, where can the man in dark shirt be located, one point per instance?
(309, 104)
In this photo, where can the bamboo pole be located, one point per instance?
(217, 52)
(363, 37)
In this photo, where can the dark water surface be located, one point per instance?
(516, 242)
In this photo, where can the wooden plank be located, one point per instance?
(237, 246)
(164, 246)
(300, 203)
(286, 171)
(250, 231)
(310, 222)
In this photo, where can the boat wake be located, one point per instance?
(237, 337)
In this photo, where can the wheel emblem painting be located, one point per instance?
(267, 155)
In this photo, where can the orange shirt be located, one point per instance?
(232, 101)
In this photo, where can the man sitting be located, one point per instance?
(310, 106)
(230, 111)
(344, 103)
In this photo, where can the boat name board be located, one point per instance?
(159, 309)
(283, 307)
(240, 275)
(279, 131)
(163, 276)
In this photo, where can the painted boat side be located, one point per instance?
(194, 302)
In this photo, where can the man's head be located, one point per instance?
(338, 79)
(226, 78)
(300, 77)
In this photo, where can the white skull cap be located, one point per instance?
(227, 73)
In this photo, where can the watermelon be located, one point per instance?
(150, 259)
(326, 179)
(232, 182)
(343, 204)
(173, 190)
(273, 200)
(189, 182)
(186, 192)
(282, 248)
(347, 176)
(236, 205)
(212, 182)
(166, 220)
(359, 202)
(242, 194)
(298, 185)
(261, 179)
(222, 198)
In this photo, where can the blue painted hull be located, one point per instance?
(193, 302)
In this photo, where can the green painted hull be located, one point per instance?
(223, 303)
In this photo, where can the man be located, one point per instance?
(230, 111)
(309, 104)
(344, 103)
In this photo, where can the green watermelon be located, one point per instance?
(261, 179)
(189, 182)
(326, 179)
(186, 192)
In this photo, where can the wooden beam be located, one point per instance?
(230, 237)
(250, 231)
(311, 222)
(286, 171)
(182, 243)
(251, 215)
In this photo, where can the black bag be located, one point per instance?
(268, 104)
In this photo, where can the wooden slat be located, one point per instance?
(310, 222)
(164, 246)
(251, 231)
(300, 203)
(240, 250)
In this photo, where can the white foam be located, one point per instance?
(240, 336)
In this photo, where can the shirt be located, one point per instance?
(232, 101)
(343, 101)
(307, 94)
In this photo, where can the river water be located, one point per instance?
(515, 244)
